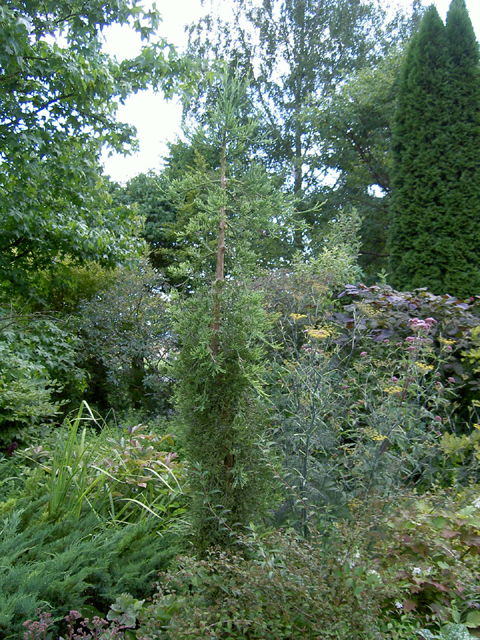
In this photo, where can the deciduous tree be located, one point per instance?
(58, 98)
(296, 53)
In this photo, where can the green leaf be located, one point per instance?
(454, 632)
(473, 619)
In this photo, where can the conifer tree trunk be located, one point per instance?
(220, 272)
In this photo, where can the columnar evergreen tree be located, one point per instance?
(462, 276)
(221, 324)
(420, 143)
(434, 236)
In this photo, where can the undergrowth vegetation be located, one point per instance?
(371, 523)
(260, 441)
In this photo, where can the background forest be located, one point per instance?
(239, 396)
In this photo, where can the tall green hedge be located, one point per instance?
(434, 231)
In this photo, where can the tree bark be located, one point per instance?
(220, 272)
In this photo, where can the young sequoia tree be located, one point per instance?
(221, 323)
(434, 232)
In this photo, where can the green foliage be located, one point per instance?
(126, 342)
(64, 289)
(74, 564)
(125, 610)
(217, 399)
(434, 238)
(55, 210)
(58, 99)
(464, 128)
(448, 632)
(381, 313)
(85, 516)
(221, 329)
(122, 477)
(432, 549)
(371, 391)
(350, 427)
(150, 194)
(305, 380)
(37, 361)
(285, 80)
(305, 397)
(281, 588)
(259, 219)
(353, 128)
(258, 215)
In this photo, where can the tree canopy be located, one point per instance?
(295, 53)
(59, 93)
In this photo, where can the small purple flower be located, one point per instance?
(363, 354)
(410, 339)
(451, 379)
(438, 418)
(394, 379)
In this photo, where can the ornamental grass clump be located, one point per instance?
(116, 474)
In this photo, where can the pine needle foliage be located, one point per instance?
(463, 198)
(74, 563)
(420, 167)
(221, 329)
(434, 234)
(220, 407)
(227, 181)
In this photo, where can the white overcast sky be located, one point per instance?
(157, 120)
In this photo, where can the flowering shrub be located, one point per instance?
(356, 416)
(379, 313)
(371, 392)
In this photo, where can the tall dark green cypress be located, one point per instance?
(420, 141)
(435, 213)
(462, 218)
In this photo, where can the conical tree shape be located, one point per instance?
(222, 327)
(462, 216)
(435, 214)
(420, 169)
